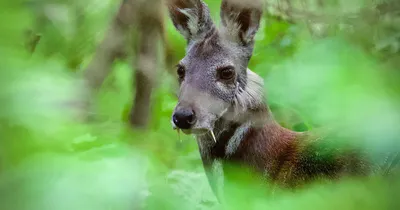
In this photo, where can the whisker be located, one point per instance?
(224, 112)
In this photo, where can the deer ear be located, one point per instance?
(190, 17)
(241, 19)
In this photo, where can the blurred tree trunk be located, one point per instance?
(150, 29)
(145, 20)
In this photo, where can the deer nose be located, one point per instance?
(184, 118)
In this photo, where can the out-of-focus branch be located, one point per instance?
(112, 46)
(288, 11)
(32, 40)
(321, 17)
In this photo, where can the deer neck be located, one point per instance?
(257, 142)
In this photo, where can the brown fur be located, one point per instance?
(287, 158)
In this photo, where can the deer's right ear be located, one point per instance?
(190, 17)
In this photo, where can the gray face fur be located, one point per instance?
(213, 76)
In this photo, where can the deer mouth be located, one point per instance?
(192, 131)
(197, 132)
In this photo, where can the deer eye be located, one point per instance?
(180, 71)
(226, 73)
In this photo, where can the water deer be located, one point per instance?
(222, 102)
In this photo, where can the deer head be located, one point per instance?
(214, 80)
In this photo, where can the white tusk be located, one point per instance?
(213, 136)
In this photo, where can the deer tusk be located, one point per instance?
(223, 112)
(213, 136)
(179, 135)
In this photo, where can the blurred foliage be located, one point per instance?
(327, 64)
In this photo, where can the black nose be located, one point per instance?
(184, 118)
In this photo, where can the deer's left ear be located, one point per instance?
(241, 19)
(190, 17)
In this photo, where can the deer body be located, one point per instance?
(286, 157)
(222, 102)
